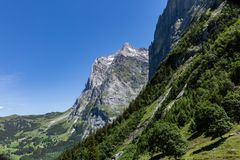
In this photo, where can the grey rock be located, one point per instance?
(232, 134)
(174, 21)
(114, 82)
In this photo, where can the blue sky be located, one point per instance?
(47, 47)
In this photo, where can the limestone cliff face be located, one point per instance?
(171, 25)
(114, 81)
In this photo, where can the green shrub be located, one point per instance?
(236, 73)
(165, 138)
(219, 127)
(212, 120)
(231, 105)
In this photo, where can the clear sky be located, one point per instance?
(47, 47)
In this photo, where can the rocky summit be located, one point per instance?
(114, 81)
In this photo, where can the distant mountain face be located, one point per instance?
(171, 25)
(115, 80)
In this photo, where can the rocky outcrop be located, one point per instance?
(172, 24)
(114, 81)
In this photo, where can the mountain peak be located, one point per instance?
(128, 50)
(127, 45)
(101, 65)
(114, 81)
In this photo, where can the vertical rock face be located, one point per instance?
(171, 25)
(114, 81)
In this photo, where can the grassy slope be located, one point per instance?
(50, 129)
(203, 148)
(207, 148)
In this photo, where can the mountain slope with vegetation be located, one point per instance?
(190, 108)
(47, 135)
